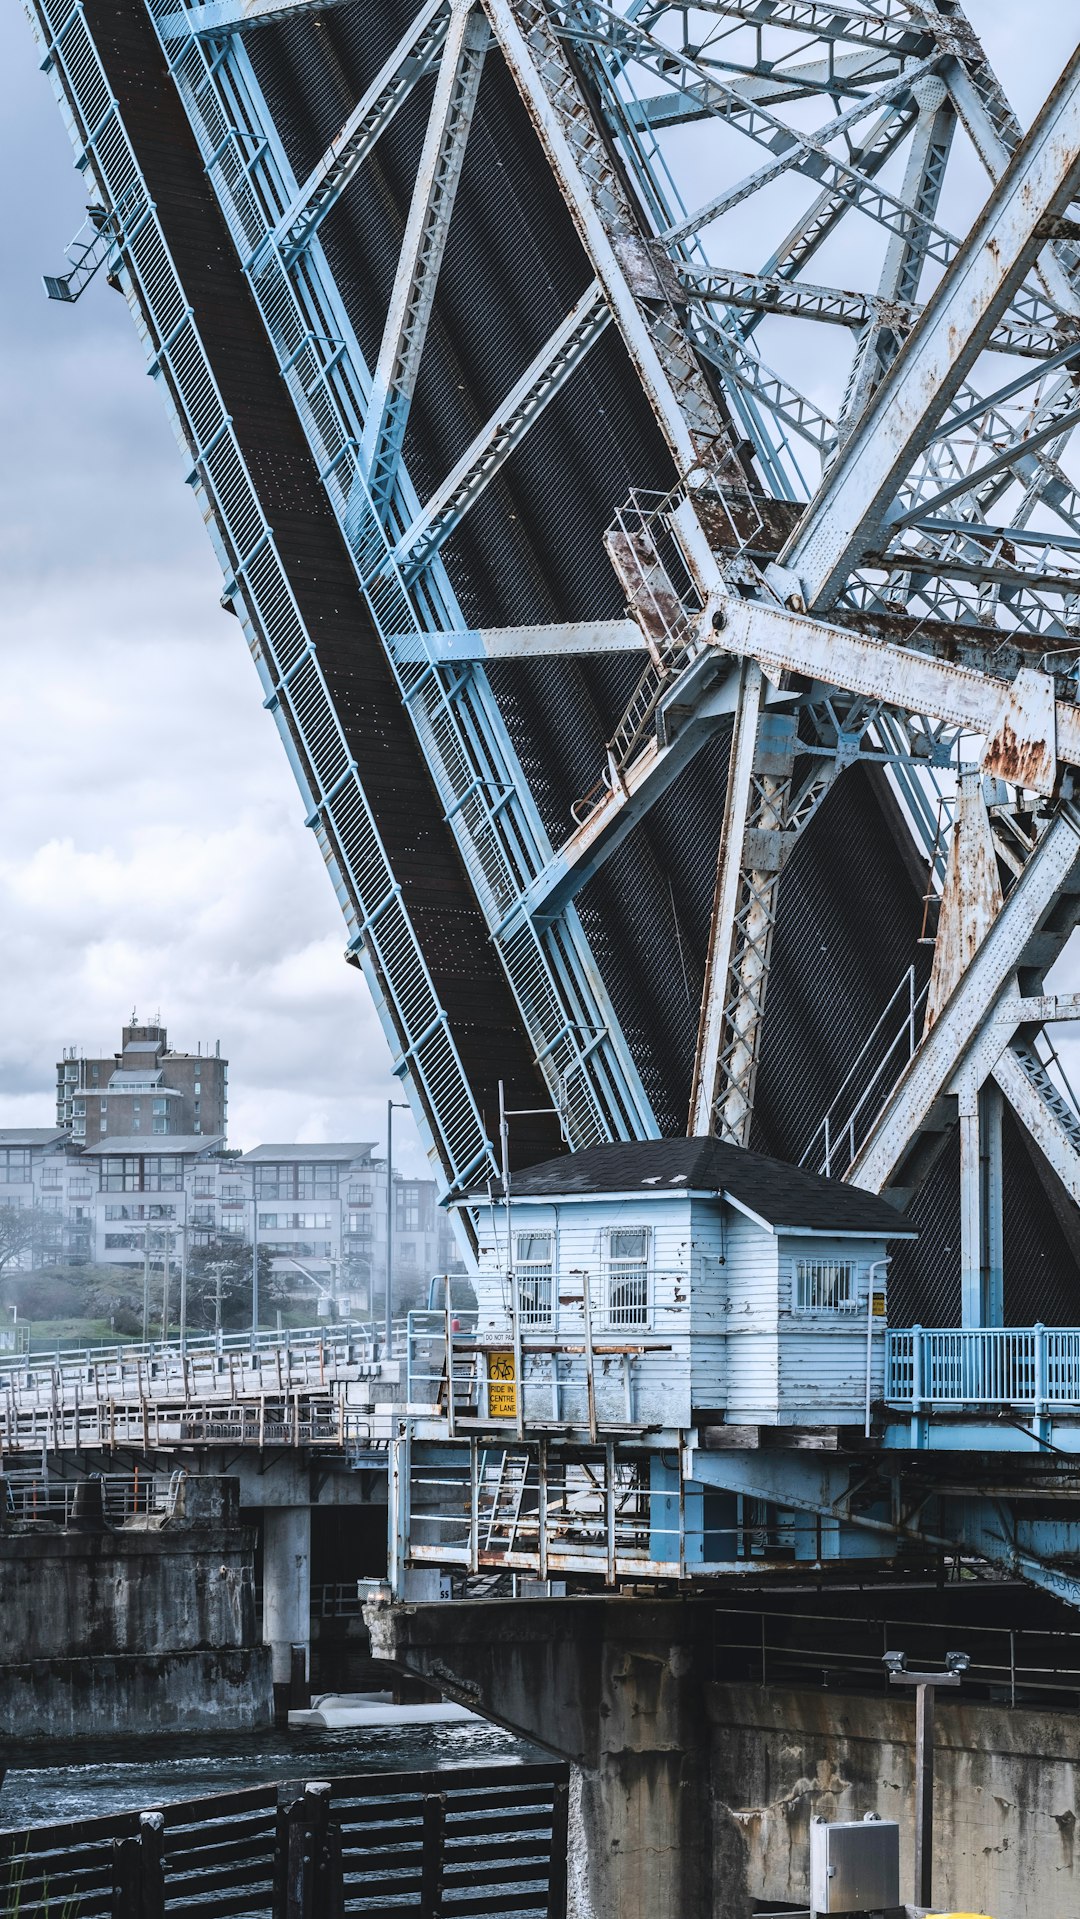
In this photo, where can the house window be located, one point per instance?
(825, 1286)
(628, 1276)
(532, 1256)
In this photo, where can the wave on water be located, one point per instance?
(44, 1784)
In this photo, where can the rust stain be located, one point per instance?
(1022, 762)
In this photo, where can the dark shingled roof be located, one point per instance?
(783, 1195)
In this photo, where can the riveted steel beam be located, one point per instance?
(1042, 1112)
(558, 359)
(414, 56)
(905, 255)
(240, 16)
(579, 639)
(613, 234)
(1011, 943)
(423, 244)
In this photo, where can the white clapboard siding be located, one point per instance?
(725, 1332)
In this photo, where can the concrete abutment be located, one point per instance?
(616, 1688)
(692, 1798)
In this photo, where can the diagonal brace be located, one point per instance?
(557, 360)
(1038, 185)
(423, 245)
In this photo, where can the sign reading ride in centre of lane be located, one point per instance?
(502, 1389)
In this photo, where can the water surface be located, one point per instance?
(78, 1779)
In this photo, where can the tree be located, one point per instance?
(21, 1231)
(219, 1283)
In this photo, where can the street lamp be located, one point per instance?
(925, 1683)
(392, 1106)
(254, 1257)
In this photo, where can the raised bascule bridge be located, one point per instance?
(638, 443)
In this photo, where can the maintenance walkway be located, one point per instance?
(312, 1386)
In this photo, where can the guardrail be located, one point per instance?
(1029, 1368)
(1010, 1665)
(287, 1419)
(468, 1841)
(123, 1496)
(327, 1333)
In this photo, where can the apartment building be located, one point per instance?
(320, 1210)
(144, 1088)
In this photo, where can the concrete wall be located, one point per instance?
(148, 1625)
(224, 1691)
(691, 1800)
(1007, 1797)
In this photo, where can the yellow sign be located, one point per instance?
(502, 1390)
(879, 1306)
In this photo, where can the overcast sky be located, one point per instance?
(152, 851)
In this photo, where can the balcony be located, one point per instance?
(1023, 1368)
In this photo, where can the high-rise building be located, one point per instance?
(144, 1088)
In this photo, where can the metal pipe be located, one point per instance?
(392, 1106)
(924, 1793)
(878, 1265)
(254, 1257)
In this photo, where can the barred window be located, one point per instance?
(825, 1286)
(628, 1276)
(532, 1259)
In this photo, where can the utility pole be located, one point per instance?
(183, 1287)
(254, 1258)
(146, 1285)
(925, 1684)
(392, 1106)
(166, 1232)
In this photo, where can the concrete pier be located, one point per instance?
(616, 1687)
(287, 1601)
(113, 1629)
(691, 1799)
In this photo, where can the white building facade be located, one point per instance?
(319, 1209)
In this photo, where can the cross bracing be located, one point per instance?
(478, 250)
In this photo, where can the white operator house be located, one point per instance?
(660, 1284)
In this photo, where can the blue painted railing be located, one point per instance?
(1033, 1367)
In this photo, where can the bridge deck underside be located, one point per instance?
(532, 551)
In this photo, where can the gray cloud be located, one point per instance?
(153, 851)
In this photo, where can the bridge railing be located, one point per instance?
(30, 1497)
(332, 1335)
(291, 1418)
(1031, 1368)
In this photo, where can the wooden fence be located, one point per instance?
(458, 1844)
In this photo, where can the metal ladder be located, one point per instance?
(509, 1496)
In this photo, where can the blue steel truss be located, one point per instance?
(572, 1027)
(733, 576)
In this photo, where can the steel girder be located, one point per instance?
(571, 1025)
(942, 529)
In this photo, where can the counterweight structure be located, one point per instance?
(637, 442)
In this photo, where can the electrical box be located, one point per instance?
(854, 1866)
